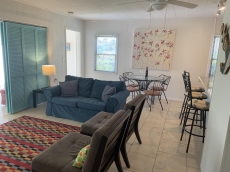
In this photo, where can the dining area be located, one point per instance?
(193, 114)
(152, 86)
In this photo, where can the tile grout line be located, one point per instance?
(161, 137)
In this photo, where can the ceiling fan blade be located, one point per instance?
(182, 4)
(150, 9)
(130, 2)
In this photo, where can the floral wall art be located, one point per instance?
(153, 48)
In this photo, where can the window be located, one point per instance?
(214, 56)
(106, 53)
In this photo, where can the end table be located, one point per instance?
(35, 92)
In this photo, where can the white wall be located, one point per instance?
(191, 52)
(56, 24)
(216, 149)
(71, 56)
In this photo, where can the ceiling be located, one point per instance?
(109, 10)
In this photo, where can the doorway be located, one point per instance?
(73, 53)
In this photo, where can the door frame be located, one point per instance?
(80, 55)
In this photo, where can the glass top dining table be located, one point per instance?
(143, 81)
(143, 78)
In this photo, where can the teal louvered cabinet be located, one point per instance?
(25, 51)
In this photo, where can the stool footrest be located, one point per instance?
(193, 133)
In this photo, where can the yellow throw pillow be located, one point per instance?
(81, 157)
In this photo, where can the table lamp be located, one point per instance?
(48, 70)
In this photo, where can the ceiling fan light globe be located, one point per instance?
(159, 5)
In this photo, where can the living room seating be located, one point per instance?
(104, 148)
(136, 105)
(89, 100)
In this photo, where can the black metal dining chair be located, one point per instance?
(132, 89)
(164, 85)
(130, 82)
(154, 92)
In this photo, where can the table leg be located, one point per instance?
(34, 99)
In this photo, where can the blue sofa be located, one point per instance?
(88, 102)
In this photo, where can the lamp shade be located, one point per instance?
(48, 70)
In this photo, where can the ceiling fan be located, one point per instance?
(161, 4)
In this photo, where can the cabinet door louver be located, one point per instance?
(25, 51)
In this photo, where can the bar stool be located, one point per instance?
(197, 105)
(197, 93)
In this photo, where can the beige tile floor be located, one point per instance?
(161, 150)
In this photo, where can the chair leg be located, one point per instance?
(201, 118)
(148, 103)
(160, 102)
(118, 162)
(204, 124)
(138, 135)
(190, 134)
(182, 108)
(165, 97)
(124, 155)
(185, 111)
(196, 117)
(185, 122)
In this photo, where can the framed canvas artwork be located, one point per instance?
(153, 48)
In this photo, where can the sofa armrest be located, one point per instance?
(52, 92)
(117, 101)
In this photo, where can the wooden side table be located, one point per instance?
(35, 92)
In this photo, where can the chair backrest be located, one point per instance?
(136, 105)
(122, 78)
(157, 87)
(106, 142)
(127, 73)
(166, 80)
(187, 83)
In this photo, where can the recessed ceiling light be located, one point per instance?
(70, 12)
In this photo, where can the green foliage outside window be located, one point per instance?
(106, 53)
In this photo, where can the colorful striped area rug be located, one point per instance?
(24, 138)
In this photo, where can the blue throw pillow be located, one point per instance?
(69, 89)
(107, 92)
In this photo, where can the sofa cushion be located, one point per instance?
(81, 157)
(92, 104)
(99, 86)
(69, 88)
(90, 126)
(67, 101)
(61, 155)
(108, 92)
(71, 78)
(84, 85)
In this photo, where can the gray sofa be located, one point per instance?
(88, 102)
